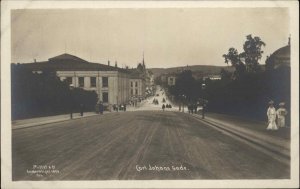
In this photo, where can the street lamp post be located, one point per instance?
(71, 97)
(203, 100)
(183, 101)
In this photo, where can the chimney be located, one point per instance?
(108, 63)
(34, 60)
(289, 42)
(116, 64)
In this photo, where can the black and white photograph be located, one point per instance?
(149, 94)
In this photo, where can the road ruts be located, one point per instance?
(111, 146)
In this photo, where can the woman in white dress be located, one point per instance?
(281, 113)
(271, 113)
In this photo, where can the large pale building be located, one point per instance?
(137, 87)
(112, 84)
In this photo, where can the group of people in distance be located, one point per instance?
(155, 101)
(120, 107)
(272, 114)
(192, 108)
(166, 106)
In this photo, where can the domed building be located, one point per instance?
(280, 58)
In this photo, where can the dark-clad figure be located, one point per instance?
(163, 107)
(81, 109)
(189, 108)
(195, 108)
(101, 108)
(97, 108)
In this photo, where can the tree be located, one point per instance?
(252, 53)
(246, 61)
(225, 75)
(185, 85)
(43, 94)
(233, 58)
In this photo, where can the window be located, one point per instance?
(136, 91)
(81, 81)
(131, 84)
(131, 91)
(68, 80)
(136, 84)
(105, 97)
(93, 81)
(104, 81)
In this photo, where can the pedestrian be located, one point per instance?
(97, 108)
(101, 108)
(281, 113)
(189, 108)
(163, 107)
(271, 113)
(204, 108)
(195, 108)
(81, 109)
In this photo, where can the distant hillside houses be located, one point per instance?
(112, 84)
(212, 77)
(169, 79)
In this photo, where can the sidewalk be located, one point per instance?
(251, 130)
(256, 126)
(17, 124)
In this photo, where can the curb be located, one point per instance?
(37, 124)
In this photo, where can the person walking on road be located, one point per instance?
(163, 107)
(271, 113)
(281, 113)
(101, 108)
(81, 109)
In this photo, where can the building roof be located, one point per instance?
(283, 51)
(67, 57)
(67, 62)
(281, 57)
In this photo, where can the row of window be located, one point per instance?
(136, 92)
(92, 79)
(136, 83)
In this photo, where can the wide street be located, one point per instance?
(136, 145)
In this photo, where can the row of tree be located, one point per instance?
(34, 94)
(246, 92)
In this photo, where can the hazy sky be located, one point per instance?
(169, 37)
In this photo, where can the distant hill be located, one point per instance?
(203, 69)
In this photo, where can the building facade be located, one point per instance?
(110, 83)
(137, 88)
(110, 86)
